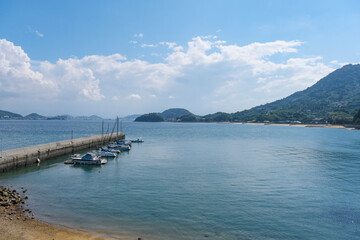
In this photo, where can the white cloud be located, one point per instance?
(338, 64)
(206, 74)
(73, 79)
(134, 96)
(148, 45)
(138, 35)
(196, 54)
(234, 74)
(169, 44)
(133, 42)
(209, 37)
(16, 75)
(38, 33)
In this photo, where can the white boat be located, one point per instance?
(103, 152)
(124, 142)
(112, 150)
(139, 140)
(72, 157)
(121, 147)
(88, 159)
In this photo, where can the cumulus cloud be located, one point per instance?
(16, 75)
(134, 96)
(73, 80)
(235, 73)
(211, 73)
(138, 35)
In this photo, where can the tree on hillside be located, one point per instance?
(356, 119)
(150, 117)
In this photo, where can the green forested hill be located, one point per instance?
(150, 117)
(174, 113)
(335, 97)
(167, 115)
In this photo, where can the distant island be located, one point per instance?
(172, 114)
(334, 99)
(6, 115)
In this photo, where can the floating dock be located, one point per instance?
(20, 157)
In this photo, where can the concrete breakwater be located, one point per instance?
(19, 157)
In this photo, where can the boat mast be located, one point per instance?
(117, 129)
(1, 147)
(102, 133)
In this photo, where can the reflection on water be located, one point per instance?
(207, 181)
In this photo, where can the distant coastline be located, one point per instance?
(349, 127)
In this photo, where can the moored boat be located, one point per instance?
(121, 147)
(88, 159)
(124, 142)
(139, 140)
(103, 152)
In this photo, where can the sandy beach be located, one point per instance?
(19, 223)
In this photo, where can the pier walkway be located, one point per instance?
(19, 157)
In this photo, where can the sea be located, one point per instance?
(197, 181)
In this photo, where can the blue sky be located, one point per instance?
(122, 57)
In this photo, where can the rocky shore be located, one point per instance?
(18, 222)
(11, 203)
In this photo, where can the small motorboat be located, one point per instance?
(139, 140)
(121, 147)
(112, 150)
(103, 152)
(88, 159)
(70, 161)
(124, 142)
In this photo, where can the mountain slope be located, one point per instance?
(9, 115)
(335, 97)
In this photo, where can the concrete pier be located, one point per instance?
(19, 157)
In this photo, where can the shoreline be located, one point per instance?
(18, 222)
(297, 125)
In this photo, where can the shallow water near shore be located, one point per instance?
(198, 181)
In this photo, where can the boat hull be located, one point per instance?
(87, 162)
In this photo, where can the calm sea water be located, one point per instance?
(199, 181)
